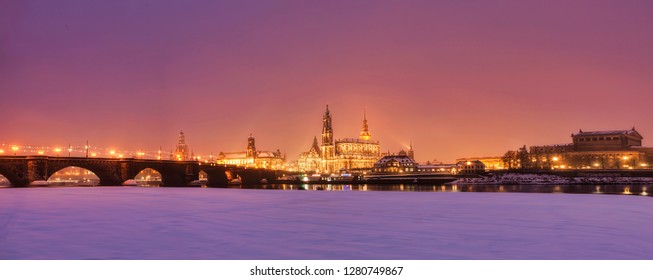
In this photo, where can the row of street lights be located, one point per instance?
(112, 153)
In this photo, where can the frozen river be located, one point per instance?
(195, 223)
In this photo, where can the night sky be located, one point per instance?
(457, 78)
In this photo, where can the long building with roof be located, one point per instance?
(610, 149)
(252, 157)
(342, 154)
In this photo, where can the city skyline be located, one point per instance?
(456, 80)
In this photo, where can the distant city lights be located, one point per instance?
(89, 151)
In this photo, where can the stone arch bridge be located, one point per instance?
(21, 171)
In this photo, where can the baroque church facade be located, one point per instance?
(342, 154)
(181, 150)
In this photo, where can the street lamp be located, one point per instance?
(57, 151)
(14, 148)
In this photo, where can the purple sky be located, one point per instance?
(457, 78)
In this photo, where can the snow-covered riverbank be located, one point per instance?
(193, 223)
(545, 179)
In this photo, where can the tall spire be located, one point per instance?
(182, 138)
(365, 131)
(251, 146)
(327, 149)
(315, 147)
(327, 128)
(411, 153)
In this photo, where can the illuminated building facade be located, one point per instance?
(400, 163)
(470, 167)
(311, 160)
(335, 155)
(252, 157)
(490, 163)
(614, 149)
(404, 162)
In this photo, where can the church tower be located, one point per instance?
(411, 153)
(181, 152)
(365, 131)
(327, 147)
(251, 147)
(327, 128)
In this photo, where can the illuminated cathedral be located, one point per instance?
(342, 154)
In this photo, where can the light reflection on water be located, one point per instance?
(634, 189)
(581, 189)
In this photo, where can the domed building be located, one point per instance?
(181, 151)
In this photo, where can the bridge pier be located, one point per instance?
(216, 175)
(254, 176)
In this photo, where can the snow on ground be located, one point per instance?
(194, 223)
(546, 179)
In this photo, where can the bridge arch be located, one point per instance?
(173, 173)
(73, 176)
(4, 182)
(149, 177)
(106, 171)
(16, 175)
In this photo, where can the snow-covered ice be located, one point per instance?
(195, 223)
(548, 179)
